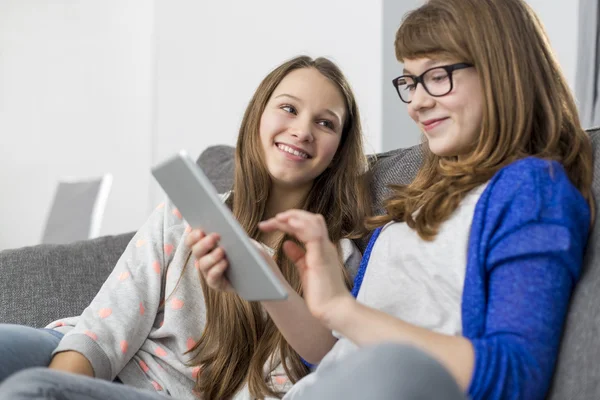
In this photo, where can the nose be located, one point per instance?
(421, 99)
(302, 130)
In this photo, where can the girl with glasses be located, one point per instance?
(465, 285)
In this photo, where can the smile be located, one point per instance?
(295, 152)
(430, 124)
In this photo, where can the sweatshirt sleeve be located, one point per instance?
(532, 260)
(118, 320)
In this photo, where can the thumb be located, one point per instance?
(295, 253)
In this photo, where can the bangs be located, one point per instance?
(429, 31)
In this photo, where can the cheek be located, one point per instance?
(263, 127)
(473, 118)
(330, 147)
(271, 124)
(267, 130)
(412, 113)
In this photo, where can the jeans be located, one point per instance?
(387, 371)
(23, 347)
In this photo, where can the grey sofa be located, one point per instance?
(42, 283)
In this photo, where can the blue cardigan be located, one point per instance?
(526, 247)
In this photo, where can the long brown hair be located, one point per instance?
(528, 108)
(239, 338)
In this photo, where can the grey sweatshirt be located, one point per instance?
(144, 318)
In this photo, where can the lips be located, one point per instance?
(430, 122)
(296, 151)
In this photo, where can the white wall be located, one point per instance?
(560, 18)
(75, 100)
(212, 56)
(398, 130)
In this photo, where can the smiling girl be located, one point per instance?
(156, 326)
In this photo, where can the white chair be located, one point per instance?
(77, 210)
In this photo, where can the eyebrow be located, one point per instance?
(327, 111)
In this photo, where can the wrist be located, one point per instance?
(72, 361)
(338, 312)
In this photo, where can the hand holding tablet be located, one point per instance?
(201, 206)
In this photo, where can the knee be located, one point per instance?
(410, 372)
(26, 384)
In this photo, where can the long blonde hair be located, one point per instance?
(239, 339)
(528, 108)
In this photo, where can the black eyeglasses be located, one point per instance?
(436, 81)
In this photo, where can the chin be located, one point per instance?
(440, 151)
(440, 148)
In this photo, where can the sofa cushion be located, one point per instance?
(218, 164)
(43, 283)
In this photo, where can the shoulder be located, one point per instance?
(536, 190)
(531, 207)
(532, 172)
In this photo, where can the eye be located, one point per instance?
(439, 77)
(289, 109)
(327, 124)
(406, 84)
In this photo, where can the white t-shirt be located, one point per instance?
(420, 282)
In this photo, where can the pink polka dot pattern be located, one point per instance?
(124, 346)
(177, 213)
(169, 249)
(188, 229)
(160, 206)
(105, 313)
(159, 351)
(142, 309)
(195, 372)
(124, 275)
(60, 323)
(190, 343)
(157, 386)
(280, 380)
(144, 367)
(140, 243)
(91, 334)
(176, 304)
(156, 267)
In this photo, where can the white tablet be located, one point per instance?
(201, 206)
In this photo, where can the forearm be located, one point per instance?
(365, 326)
(305, 333)
(72, 361)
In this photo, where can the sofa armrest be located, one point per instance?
(37, 284)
